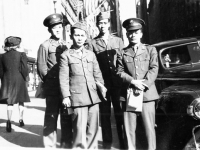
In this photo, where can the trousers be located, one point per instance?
(148, 121)
(112, 96)
(53, 108)
(85, 127)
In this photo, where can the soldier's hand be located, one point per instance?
(139, 84)
(66, 102)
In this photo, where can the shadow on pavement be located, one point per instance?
(2, 120)
(36, 107)
(27, 136)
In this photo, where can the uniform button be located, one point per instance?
(110, 67)
(135, 59)
(108, 55)
(109, 60)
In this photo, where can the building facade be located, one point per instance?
(24, 18)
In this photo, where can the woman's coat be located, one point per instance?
(13, 85)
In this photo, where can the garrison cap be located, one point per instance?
(103, 15)
(133, 24)
(12, 41)
(53, 19)
(80, 25)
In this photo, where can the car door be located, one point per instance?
(180, 63)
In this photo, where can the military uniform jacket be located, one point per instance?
(142, 65)
(107, 57)
(47, 65)
(78, 75)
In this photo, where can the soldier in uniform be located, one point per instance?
(79, 72)
(47, 64)
(138, 67)
(106, 47)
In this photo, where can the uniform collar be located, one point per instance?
(73, 52)
(56, 43)
(129, 50)
(100, 40)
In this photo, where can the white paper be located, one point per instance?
(134, 103)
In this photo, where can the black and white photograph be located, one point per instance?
(100, 74)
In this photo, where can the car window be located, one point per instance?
(180, 55)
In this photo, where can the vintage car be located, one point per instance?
(178, 83)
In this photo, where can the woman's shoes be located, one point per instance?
(8, 126)
(21, 123)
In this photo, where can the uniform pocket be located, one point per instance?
(128, 59)
(144, 62)
(75, 90)
(75, 66)
(90, 64)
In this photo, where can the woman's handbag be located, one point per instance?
(40, 91)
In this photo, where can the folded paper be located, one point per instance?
(134, 103)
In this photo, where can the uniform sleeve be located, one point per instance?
(93, 45)
(64, 75)
(96, 70)
(120, 69)
(42, 62)
(153, 65)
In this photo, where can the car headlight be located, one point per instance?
(194, 109)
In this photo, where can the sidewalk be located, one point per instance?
(30, 136)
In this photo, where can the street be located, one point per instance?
(30, 136)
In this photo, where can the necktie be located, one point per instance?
(135, 49)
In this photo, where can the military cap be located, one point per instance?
(12, 41)
(103, 15)
(53, 19)
(80, 25)
(133, 24)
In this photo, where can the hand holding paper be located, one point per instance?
(139, 84)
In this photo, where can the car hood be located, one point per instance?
(183, 89)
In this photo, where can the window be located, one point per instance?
(180, 55)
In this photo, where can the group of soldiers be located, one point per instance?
(70, 75)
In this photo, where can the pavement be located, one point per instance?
(30, 136)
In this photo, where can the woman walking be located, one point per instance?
(13, 73)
